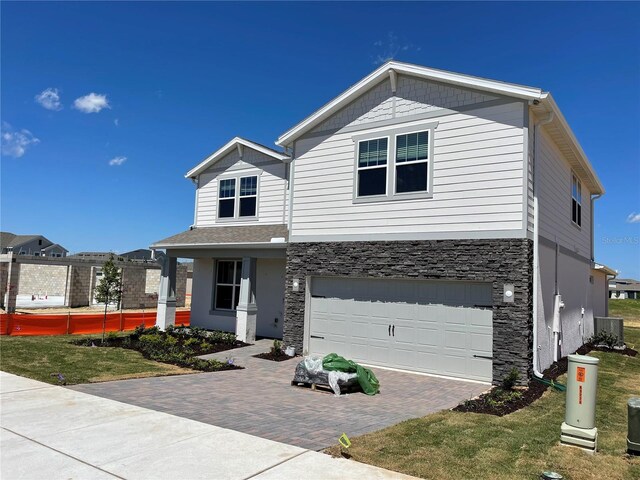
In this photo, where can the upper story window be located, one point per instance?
(372, 167)
(238, 197)
(227, 198)
(394, 166)
(412, 162)
(576, 200)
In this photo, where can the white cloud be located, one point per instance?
(116, 122)
(633, 218)
(49, 99)
(117, 161)
(390, 47)
(15, 143)
(92, 103)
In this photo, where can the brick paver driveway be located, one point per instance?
(260, 400)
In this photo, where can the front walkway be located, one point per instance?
(260, 400)
(56, 433)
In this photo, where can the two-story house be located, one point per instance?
(422, 220)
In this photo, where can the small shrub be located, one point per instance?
(499, 397)
(276, 349)
(510, 380)
(151, 344)
(604, 338)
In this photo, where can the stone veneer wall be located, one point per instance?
(498, 261)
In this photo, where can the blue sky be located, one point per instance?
(172, 82)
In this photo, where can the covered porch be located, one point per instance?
(238, 279)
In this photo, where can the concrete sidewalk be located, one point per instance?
(56, 433)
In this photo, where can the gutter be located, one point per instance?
(536, 246)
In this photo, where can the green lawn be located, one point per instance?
(38, 357)
(520, 445)
(627, 309)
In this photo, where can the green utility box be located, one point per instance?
(579, 426)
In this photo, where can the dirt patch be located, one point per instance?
(275, 357)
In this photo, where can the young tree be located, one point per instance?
(108, 289)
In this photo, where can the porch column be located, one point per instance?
(167, 292)
(13, 279)
(247, 311)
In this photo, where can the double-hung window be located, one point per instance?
(412, 162)
(227, 198)
(248, 196)
(576, 201)
(394, 166)
(227, 288)
(238, 197)
(372, 167)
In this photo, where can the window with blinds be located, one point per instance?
(372, 167)
(412, 162)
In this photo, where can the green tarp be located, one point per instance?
(367, 380)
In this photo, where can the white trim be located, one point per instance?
(235, 143)
(220, 245)
(411, 162)
(455, 235)
(237, 178)
(578, 199)
(372, 167)
(382, 73)
(392, 369)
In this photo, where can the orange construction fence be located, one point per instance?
(61, 324)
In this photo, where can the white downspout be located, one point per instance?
(536, 251)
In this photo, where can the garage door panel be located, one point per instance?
(438, 325)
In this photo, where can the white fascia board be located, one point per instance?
(174, 246)
(226, 149)
(380, 74)
(605, 269)
(573, 142)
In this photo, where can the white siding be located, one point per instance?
(554, 200)
(413, 97)
(477, 181)
(271, 188)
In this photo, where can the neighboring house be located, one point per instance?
(624, 288)
(36, 245)
(422, 220)
(139, 254)
(601, 278)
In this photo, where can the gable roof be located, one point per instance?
(11, 240)
(542, 103)
(53, 245)
(236, 142)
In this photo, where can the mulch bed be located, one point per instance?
(198, 350)
(535, 389)
(275, 357)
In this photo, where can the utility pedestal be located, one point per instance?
(579, 426)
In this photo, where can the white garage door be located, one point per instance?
(438, 327)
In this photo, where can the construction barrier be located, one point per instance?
(21, 324)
